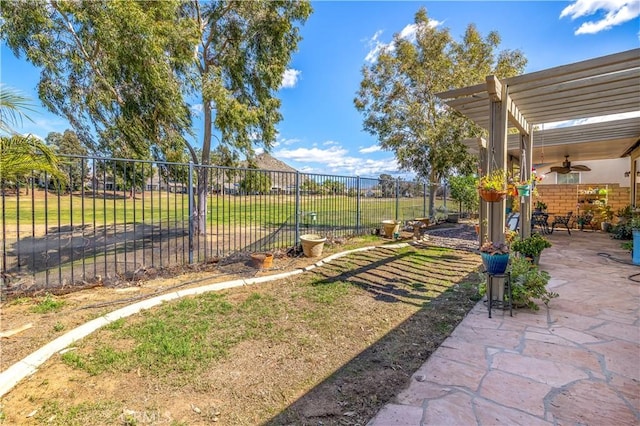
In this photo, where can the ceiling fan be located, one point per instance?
(567, 167)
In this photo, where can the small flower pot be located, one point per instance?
(312, 244)
(524, 190)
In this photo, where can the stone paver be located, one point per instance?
(577, 362)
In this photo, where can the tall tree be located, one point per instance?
(398, 102)
(75, 168)
(243, 51)
(108, 66)
(126, 69)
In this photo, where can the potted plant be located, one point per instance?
(528, 283)
(492, 187)
(531, 247)
(606, 216)
(495, 257)
(540, 206)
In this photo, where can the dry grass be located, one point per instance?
(332, 346)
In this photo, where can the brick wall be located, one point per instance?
(561, 199)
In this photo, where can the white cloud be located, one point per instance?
(196, 109)
(288, 142)
(334, 160)
(370, 149)
(615, 12)
(375, 47)
(290, 78)
(311, 155)
(408, 33)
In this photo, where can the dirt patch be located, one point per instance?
(335, 344)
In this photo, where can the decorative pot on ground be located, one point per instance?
(312, 244)
(390, 227)
(453, 217)
(262, 260)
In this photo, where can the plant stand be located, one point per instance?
(507, 292)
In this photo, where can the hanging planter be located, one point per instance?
(491, 195)
(524, 190)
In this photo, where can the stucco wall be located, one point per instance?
(601, 171)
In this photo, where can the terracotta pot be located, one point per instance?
(262, 260)
(492, 196)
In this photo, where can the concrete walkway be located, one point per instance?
(576, 363)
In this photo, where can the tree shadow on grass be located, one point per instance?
(358, 390)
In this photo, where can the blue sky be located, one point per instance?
(322, 131)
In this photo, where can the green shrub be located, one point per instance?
(529, 282)
(531, 246)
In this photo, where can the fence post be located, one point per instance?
(191, 203)
(397, 198)
(358, 205)
(424, 199)
(297, 208)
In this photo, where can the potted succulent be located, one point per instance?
(492, 187)
(531, 247)
(495, 257)
(540, 206)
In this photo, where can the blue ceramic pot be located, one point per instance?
(495, 263)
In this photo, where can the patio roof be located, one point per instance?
(605, 86)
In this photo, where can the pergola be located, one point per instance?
(605, 86)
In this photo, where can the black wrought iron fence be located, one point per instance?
(113, 218)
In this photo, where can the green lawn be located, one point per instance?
(222, 210)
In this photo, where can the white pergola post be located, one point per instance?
(497, 153)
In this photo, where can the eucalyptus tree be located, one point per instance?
(398, 102)
(242, 53)
(128, 71)
(75, 168)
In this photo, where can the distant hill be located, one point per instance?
(282, 181)
(267, 162)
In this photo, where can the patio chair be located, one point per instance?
(562, 220)
(540, 220)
